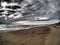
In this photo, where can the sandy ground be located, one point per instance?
(47, 35)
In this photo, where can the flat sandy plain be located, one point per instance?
(45, 35)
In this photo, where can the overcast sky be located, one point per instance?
(36, 10)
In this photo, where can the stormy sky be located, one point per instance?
(29, 10)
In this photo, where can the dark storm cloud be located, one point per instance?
(38, 8)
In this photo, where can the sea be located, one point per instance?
(25, 25)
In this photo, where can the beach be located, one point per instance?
(43, 35)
